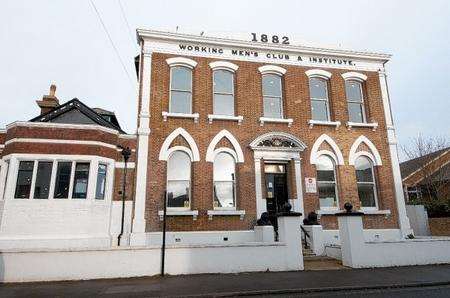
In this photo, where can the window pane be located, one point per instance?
(271, 85)
(224, 167)
(318, 88)
(101, 182)
(366, 194)
(223, 81)
(223, 104)
(181, 78)
(272, 107)
(179, 190)
(355, 112)
(179, 166)
(224, 194)
(363, 167)
(327, 194)
(180, 102)
(24, 177)
(319, 110)
(43, 176)
(324, 163)
(80, 181)
(353, 90)
(63, 180)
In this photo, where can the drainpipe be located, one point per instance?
(126, 152)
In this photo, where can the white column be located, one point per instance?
(392, 141)
(299, 206)
(260, 202)
(142, 146)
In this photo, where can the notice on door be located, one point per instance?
(310, 185)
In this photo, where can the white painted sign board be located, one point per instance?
(310, 185)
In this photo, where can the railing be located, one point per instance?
(305, 234)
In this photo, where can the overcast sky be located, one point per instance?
(63, 42)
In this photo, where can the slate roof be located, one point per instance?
(412, 165)
(96, 115)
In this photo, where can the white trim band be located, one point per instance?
(60, 141)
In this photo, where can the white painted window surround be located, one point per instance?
(226, 65)
(263, 120)
(336, 154)
(357, 76)
(181, 61)
(15, 159)
(212, 117)
(320, 73)
(193, 116)
(165, 152)
(193, 213)
(240, 213)
(374, 155)
(337, 124)
(373, 125)
(272, 69)
(212, 151)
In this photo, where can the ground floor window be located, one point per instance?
(326, 182)
(179, 180)
(24, 178)
(81, 179)
(365, 179)
(43, 177)
(224, 181)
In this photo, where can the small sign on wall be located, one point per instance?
(310, 185)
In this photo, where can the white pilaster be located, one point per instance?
(260, 202)
(298, 205)
(142, 146)
(392, 141)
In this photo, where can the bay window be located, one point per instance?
(24, 179)
(178, 180)
(43, 177)
(365, 180)
(62, 183)
(224, 181)
(81, 178)
(326, 182)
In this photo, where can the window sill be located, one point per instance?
(219, 212)
(193, 213)
(194, 116)
(372, 125)
(326, 123)
(365, 211)
(262, 120)
(212, 117)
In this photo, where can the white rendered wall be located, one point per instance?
(201, 238)
(331, 237)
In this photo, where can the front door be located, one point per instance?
(276, 187)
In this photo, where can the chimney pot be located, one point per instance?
(48, 102)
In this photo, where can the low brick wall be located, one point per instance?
(439, 226)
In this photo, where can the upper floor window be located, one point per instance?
(180, 90)
(365, 179)
(179, 180)
(326, 182)
(224, 181)
(318, 91)
(272, 96)
(223, 92)
(355, 101)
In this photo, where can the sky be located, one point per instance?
(63, 42)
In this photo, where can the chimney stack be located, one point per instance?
(48, 102)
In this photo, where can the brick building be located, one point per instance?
(226, 130)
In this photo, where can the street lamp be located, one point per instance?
(126, 152)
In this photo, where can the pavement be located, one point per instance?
(412, 279)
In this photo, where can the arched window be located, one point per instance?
(179, 180)
(224, 181)
(272, 96)
(180, 90)
(365, 179)
(223, 92)
(318, 91)
(326, 182)
(355, 101)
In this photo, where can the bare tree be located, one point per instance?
(434, 169)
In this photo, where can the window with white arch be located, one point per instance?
(365, 179)
(318, 90)
(223, 89)
(355, 101)
(326, 182)
(272, 95)
(180, 90)
(224, 181)
(179, 180)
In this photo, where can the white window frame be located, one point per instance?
(374, 183)
(280, 97)
(362, 103)
(233, 155)
(189, 154)
(170, 88)
(334, 162)
(15, 159)
(327, 100)
(221, 93)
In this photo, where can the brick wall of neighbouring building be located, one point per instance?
(439, 226)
